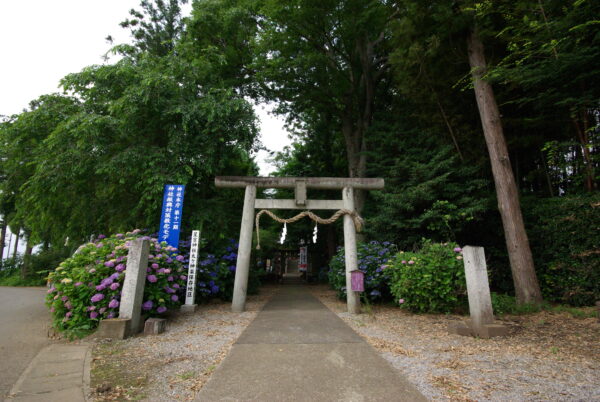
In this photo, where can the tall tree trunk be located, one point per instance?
(27, 258)
(2, 239)
(521, 261)
(16, 245)
(331, 241)
(583, 137)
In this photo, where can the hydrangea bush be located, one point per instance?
(430, 280)
(216, 272)
(86, 287)
(373, 260)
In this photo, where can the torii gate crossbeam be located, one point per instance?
(300, 184)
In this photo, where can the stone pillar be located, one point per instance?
(478, 287)
(133, 286)
(480, 302)
(244, 249)
(352, 298)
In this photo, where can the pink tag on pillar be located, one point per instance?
(357, 278)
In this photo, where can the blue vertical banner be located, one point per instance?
(170, 219)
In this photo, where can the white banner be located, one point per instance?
(303, 260)
(190, 292)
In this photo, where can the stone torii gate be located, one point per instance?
(300, 184)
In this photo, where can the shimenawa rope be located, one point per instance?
(358, 221)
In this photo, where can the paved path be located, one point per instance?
(298, 350)
(23, 331)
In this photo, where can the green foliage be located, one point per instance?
(429, 191)
(86, 287)
(372, 261)
(563, 234)
(506, 304)
(96, 159)
(431, 280)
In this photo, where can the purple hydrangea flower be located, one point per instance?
(99, 245)
(119, 235)
(183, 277)
(161, 309)
(175, 285)
(100, 237)
(152, 278)
(170, 279)
(457, 249)
(114, 286)
(78, 284)
(147, 305)
(174, 297)
(100, 288)
(155, 266)
(97, 297)
(93, 315)
(102, 310)
(110, 315)
(113, 303)
(69, 314)
(109, 264)
(53, 289)
(64, 298)
(179, 258)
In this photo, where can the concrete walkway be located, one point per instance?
(24, 321)
(59, 373)
(298, 350)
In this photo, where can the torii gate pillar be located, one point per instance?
(300, 184)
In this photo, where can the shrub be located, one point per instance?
(563, 232)
(430, 280)
(372, 260)
(216, 272)
(86, 287)
(503, 303)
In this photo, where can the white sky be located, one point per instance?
(44, 40)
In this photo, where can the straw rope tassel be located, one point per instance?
(358, 221)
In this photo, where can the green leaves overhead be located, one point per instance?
(119, 134)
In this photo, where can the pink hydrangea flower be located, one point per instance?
(97, 297)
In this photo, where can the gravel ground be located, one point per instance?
(547, 356)
(172, 366)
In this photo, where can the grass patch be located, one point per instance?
(14, 279)
(505, 304)
(576, 312)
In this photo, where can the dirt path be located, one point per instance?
(23, 331)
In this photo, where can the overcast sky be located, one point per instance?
(44, 40)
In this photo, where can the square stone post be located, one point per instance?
(133, 286)
(242, 266)
(480, 301)
(351, 259)
(478, 287)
